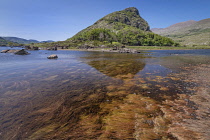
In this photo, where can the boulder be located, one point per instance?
(53, 56)
(21, 52)
(4, 51)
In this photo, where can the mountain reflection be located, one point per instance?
(116, 65)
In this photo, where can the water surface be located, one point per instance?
(96, 95)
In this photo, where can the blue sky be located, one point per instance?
(60, 19)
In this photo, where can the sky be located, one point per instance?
(59, 20)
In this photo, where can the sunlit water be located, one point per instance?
(40, 97)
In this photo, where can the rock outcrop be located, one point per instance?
(31, 48)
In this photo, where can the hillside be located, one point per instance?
(23, 41)
(188, 33)
(4, 42)
(124, 27)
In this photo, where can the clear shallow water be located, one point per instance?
(41, 97)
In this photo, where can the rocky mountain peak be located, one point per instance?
(129, 16)
(133, 10)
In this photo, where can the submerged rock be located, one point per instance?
(53, 56)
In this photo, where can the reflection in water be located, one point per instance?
(117, 68)
(117, 65)
(71, 98)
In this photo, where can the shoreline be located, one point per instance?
(106, 50)
(138, 48)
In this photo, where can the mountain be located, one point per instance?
(188, 32)
(4, 42)
(121, 19)
(23, 41)
(124, 27)
(20, 40)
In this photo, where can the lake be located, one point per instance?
(157, 94)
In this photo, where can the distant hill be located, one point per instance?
(124, 27)
(188, 32)
(23, 41)
(4, 42)
(48, 41)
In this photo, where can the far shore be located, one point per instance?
(139, 48)
(142, 48)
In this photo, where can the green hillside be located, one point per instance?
(188, 33)
(124, 27)
(4, 42)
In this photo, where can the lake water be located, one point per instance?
(99, 95)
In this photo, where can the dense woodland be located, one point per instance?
(127, 36)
